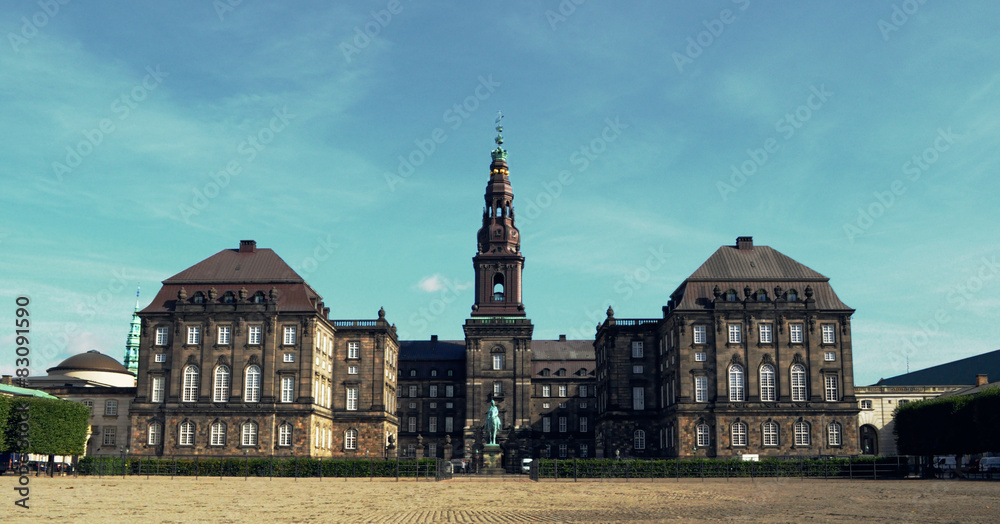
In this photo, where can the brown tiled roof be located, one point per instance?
(562, 350)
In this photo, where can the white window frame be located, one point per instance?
(110, 435)
(162, 336)
(217, 434)
(802, 436)
(546, 424)
(639, 439)
(157, 389)
(700, 356)
(735, 335)
(449, 391)
(829, 334)
(638, 398)
(769, 434)
(562, 391)
(285, 435)
(432, 424)
(636, 349)
(154, 434)
(251, 384)
(700, 388)
(189, 387)
(185, 434)
(497, 361)
(224, 335)
(354, 349)
(563, 426)
(833, 432)
(765, 333)
(111, 408)
(411, 424)
(287, 389)
(498, 388)
(160, 357)
(700, 334)
(798, 383)
(546, 390)
(432, 391)
(248, 434)
(288, 336)
(253, 335)
(831, 388)
(584, 424)
(795, 333)
(830, 356)
(352, 369)
(221, 383)
(194, 335)
(413, 391)
(583, 391)
(737, 383)
(352, 398)
(768, 391)
(703, 435)
(866, 404)
(288, 357)
(738, 434)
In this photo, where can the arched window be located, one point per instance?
(639, 439)
(793, 295)
(221, 388)
(185, 435)
(833, 433)
(218, 434)
(767, 383)
(154, 434)
(351, 439)
(251, 391)
(769, 434)
(285, 435)
(249, 434)
(498, 287)
(739, 434)
(198, 298)
(798, 382)
(736, 383)
(704, 435)
(731, 295)
(413, 372)
(802, 437)
(190, 386)
(545, 372)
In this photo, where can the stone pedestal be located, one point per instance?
(492, 460)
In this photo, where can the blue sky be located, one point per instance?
(859, 138)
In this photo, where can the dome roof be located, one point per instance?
(92, 360)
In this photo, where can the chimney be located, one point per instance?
(248, 246)
(982, 379)
(434, 338)
(562, 338)
(744, 243)
(7, 380)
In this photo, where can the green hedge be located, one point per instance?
(688, 468)
(950, 425)
(55, 427)
(256, 467)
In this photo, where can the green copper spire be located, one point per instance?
(499, 153)
(132, 344)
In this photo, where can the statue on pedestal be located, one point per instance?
(492, 423)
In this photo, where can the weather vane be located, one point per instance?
(499, 153)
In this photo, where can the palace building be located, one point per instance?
(751, 355)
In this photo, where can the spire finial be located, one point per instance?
(499, 153)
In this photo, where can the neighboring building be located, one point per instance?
(131, 360)
(878, 402)
(237, 354)
(431, 404)
(105, 386)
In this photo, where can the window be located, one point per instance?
(770, 434)
(109, 435)
(584, 424)
(498, 388)
(638, 398)
(253, 335)
(701, 388)
(736, 393)
(194, 335)
(285, 435)
(432, 450)
(795, 333)
(432, 425)
(354, 350)
(767, 383)
(353, 370)
(434, 405)
(830, 356)
(249, 434)
(833, 434)
(792, 295)
(639, 439)
(830, 383)
(413, 391)
(434, 372)
(432, 391)
(546, 424)
(157, 393)
(451, 372)
(562, 424)
(583, 390)
(161, 336)
(637, 349)
(828, 337)
(90, 405)
(186, 434)
(449, 391)
(734, 334)
(289, 338)
(218, 434)
(289, 357)
(287, 389)
(449, 424)
(637, 369)
(546, 390)
(413, 372)
(562, 391)
(190, 386)
(739, 434)
(545, 405)
(497, 361)
(160, 357)
(111, 408)
(221, 384)
(903, 401)
(562, 405)
(802, 434)
(352, 398)
(866, 404)
(765, 333)
(700, 356)
(703, 439)
(583, 451)
(731, 295)
(411, 424)
(562, 450)
(798, 383)
(154, 435)
(224, 335)
(700, 336)
(251, 391)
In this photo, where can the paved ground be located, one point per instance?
(515, 499)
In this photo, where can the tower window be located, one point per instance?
(498, 287)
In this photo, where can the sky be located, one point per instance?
(858, 137)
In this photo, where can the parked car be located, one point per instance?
(458, 465)
(526, 465)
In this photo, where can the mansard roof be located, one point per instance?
(433, 349)
(960, 372)
(557, 350)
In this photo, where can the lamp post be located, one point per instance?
(246, 464)
(124, 451)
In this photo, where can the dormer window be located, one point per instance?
(731, 295)
(258, 298)
(792, 295)
(228, 298)
(761, 295)
(198, 298)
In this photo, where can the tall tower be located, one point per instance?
(131, 360)
(497, 334)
